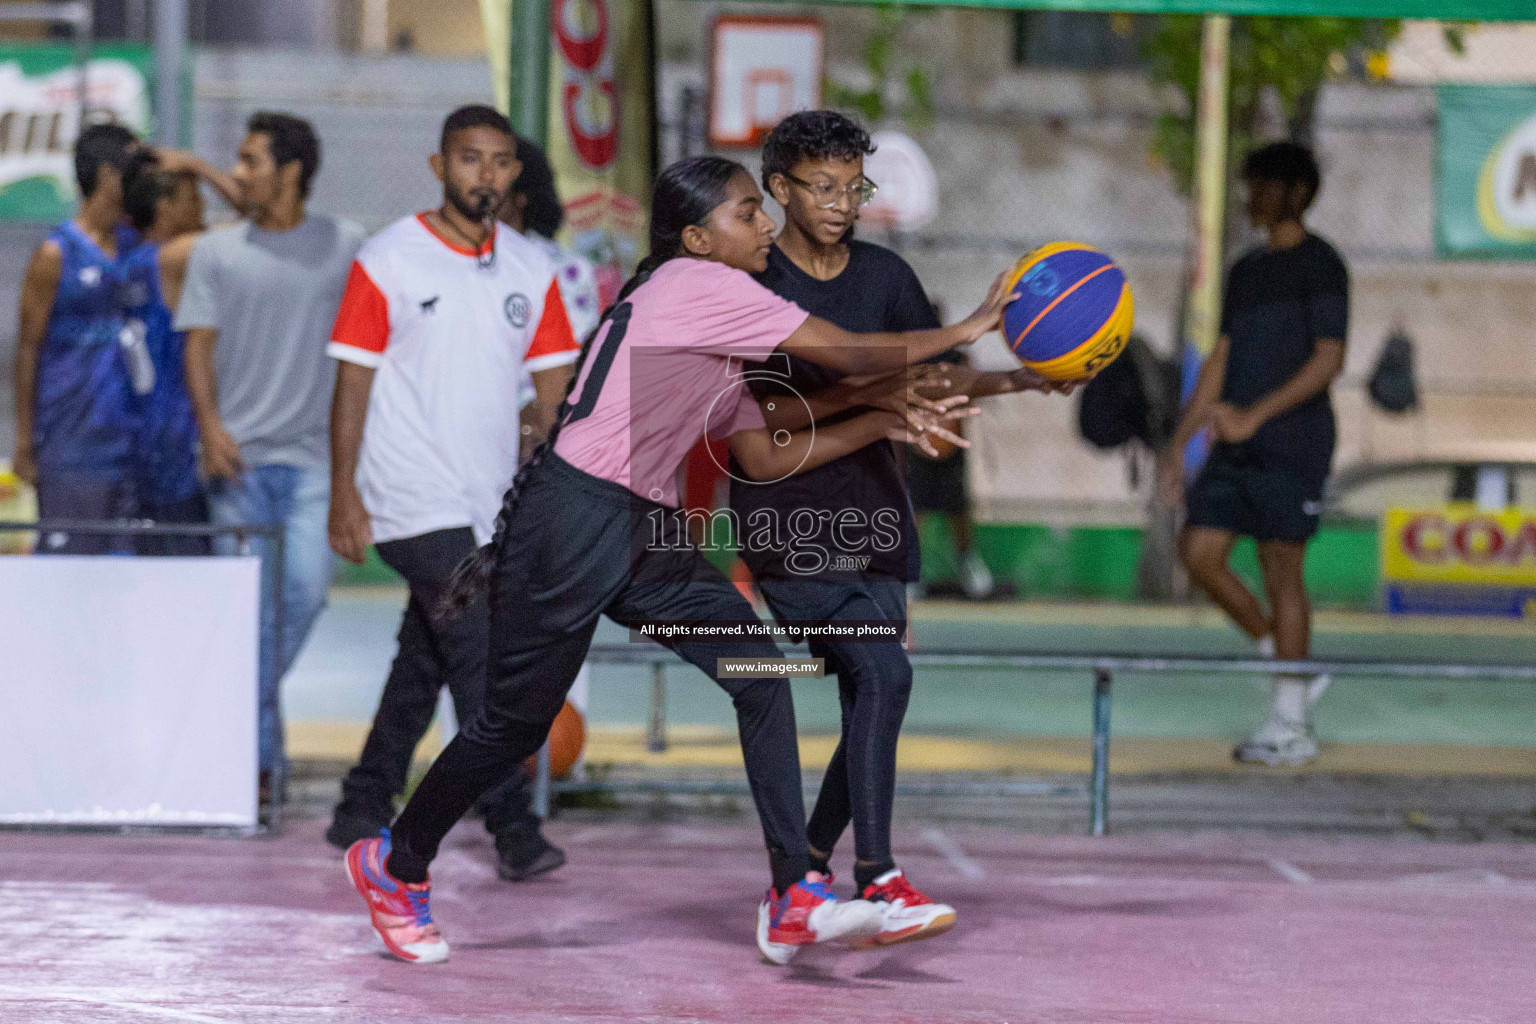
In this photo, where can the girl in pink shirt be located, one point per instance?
(591, 527)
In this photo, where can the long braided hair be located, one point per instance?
(684, 194)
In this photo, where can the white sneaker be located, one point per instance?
(1316, 687)
(809, 913)
(1277, 742)
(976, 578)
(907, 914)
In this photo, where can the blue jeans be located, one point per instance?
(299, 500)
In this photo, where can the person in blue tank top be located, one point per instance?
(76, 413)
(166, 208)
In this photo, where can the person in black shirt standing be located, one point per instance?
(839, 542)
(1263, 393)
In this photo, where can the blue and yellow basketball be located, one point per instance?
(1073, 314)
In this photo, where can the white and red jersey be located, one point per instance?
(450, 341)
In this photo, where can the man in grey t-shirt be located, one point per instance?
(258, 305)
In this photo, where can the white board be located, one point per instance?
(130, 690)
(762, 69)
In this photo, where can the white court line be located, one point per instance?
(951, 852)
(1290, 871)
(33, 996)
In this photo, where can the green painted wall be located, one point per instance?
(1099, 562)
(1080, 562)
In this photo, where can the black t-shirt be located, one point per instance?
(876, 292)
(1279, 304)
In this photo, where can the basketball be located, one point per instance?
(566, 738)
(1073, 314)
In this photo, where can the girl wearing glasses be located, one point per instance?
(855, 565)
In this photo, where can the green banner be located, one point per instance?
(1486, 170)
(1461, 10)
(40, 118)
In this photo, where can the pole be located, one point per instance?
(656, 721)
(530, 70)
(1098, 786)
(170, 57)
(541, 783)
(1202, 318)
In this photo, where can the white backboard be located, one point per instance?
(762, 69)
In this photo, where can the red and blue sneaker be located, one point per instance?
(401, 911)
(808, 912)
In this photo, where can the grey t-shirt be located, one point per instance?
(272, 296)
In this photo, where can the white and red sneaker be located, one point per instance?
(907, 915)
(401, 912)
(808, 912)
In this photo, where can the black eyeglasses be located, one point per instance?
(858, 193)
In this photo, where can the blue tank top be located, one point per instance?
(166, 462)
(87, 418)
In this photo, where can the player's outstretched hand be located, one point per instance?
(989, 315)
(924, 425)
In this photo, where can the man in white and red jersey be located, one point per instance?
(443, 313)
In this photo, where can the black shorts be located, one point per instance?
(1254, 499)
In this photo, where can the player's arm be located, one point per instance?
(764, 459)
(827, 345)
(1315, 376)
(937, 380)
(221, 455)
(359, 338)
(349, 528)
(37, 291)
(173, 267)
(223, 183)
(894, 392)
(549, 387)
(549, 363)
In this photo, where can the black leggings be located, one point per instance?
(874, 684)
(572, 551)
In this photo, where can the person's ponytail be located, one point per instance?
(684, 194)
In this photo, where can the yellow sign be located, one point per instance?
(1459, 544)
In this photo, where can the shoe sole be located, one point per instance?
(918, 932)
(1275, 761)
(395, 950)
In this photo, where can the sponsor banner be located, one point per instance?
(40, 119)
(1486, 166)
(599, 142)
(1505, 602)
(1459, 545)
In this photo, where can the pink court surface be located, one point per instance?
(651, 921)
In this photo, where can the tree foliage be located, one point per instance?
(1288, 57)
(892, 75)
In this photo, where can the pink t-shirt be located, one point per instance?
(670, 371)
